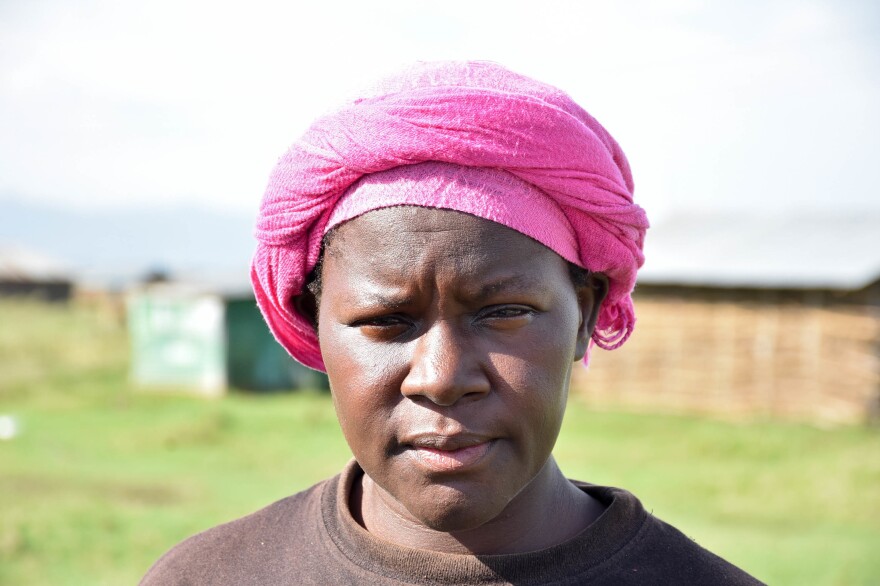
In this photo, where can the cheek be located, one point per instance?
(536, 376)
(537, 394)
(540, 358)
(351, 361)
(364, 381)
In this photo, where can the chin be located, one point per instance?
(452, 511)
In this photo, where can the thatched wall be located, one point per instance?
(758, 358)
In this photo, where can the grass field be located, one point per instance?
(101, 479)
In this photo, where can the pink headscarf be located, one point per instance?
(468, 136)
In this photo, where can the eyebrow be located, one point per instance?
(389, 302)
(513, 284)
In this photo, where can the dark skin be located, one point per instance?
(449, 342)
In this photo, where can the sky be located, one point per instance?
(718, 105)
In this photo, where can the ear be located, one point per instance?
(590, 296)
(306, 305)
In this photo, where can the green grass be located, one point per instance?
(102, 478)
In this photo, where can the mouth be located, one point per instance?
(440, 453)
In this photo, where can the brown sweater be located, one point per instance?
(311, 538)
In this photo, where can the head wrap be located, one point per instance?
(468, 136)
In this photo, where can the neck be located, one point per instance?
(547, 512)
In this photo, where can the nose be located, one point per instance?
(443, 369)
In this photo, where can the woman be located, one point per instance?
(445, 247)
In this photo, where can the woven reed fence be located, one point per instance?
(789, 361)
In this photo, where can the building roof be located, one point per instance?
(772, 251)
(21, 264)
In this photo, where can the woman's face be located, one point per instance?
(449, 340)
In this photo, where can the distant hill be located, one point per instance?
(115, 246)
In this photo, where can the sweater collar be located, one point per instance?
(624, 516)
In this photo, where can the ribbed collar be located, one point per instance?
(624, 516)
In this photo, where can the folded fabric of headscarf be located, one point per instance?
(468, 136)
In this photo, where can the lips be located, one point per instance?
(442, 453)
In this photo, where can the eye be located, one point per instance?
(383, 326)
(506, 316)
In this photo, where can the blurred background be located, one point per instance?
(142, 398)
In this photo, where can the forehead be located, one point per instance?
(432, 236)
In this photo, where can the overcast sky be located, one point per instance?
(752, 103)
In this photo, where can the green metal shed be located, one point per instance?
(208, 340)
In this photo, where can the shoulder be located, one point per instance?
(655, 552)
(255, 545)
